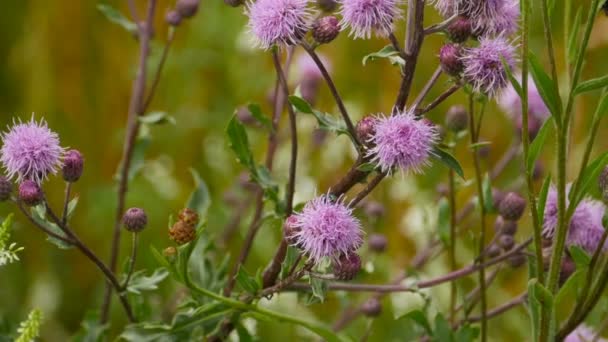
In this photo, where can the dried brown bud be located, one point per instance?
(182, 233)
(188, 216)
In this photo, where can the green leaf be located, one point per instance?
(546, 87)
(290, 258)
(580, 257)
(443, 221)
(239, 143)
(542, 198)
(448, 160)
(247, 282)
(116, 17)
(199, 199)
(300, 104)
(593, 84)
(574, 34)
(319, 288)
(419, 317)
(488, 199)
(588, 179)
(90, 329)
(537, 144)
(256, 112)
(326, 121)
(140, 282)
(264, 179)
(367, 167)
(466, 333)
(72, 206)
(514, 82)
(386, 52)
(570, 288)
(39, 215)
(443, 331)
(156, 118)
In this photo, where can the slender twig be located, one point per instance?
(478, 180)
(441, 26)
(379, 288)
(395, 43)
(65, 239)
(131, 261)
(135, 110)
(334, 92)
(159, 69)
(471, 298)
(66, 202)
(427, 87)
(368, 188)
(442, 97)
(515, 302)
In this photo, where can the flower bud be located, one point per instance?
(493, 251)
(6, 188)
(374, 209)
(233, 3)
(170, 253)
(182, 233)
(460, 29)
(325, 29)
(505, 227)
(290, 230)
(603, 184)
(347, 266)
(188, 216)
(497, 197)
(30, 193)
(366, 128)
(457, 118)
(173, 18)
(517, 260)
(506, 242)
(135, 220)
(371, 307)
(449, 58)
(73, 164)
(187, 8)
(512, 207)
(327, 5)
(377, 242)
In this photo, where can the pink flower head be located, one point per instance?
(510, 102)
(483, 67)
(585, 228)
(402, 141)
(278, 21)
(365, 16)
(326, 228)
(583, 333)
(488, 17)
(30, 151)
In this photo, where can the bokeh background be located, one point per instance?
(64, 61)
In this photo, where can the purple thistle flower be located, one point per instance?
(510, 102)
(31, 151)
(326, 228)
(365, 16)
(483, 67)
(488, 17)
(402, 141)
(585, 228)
(583, 333)
(278, 21)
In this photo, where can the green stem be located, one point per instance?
(452, 250)
(482, 236)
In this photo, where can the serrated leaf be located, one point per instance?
(290, 258)
(592, 84)
(256, 112)
(448, 160)
(90, 329)
(39, 215)
(199, 199)
(537, 144)
(118, 18)
(443, 221)
(239, 143)
(247, 282)
(547, 87)
(385, 52)
(140, 282)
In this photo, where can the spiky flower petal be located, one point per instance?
(585, 229)
(483, 66)
(326, 229)
(487, 17)
(30, 151)
(402, 141)
(367, 16)
(280, 22)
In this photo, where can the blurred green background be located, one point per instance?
(64, 61)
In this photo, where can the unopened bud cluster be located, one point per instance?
(184, 230)
(511, 208)
(184, 9)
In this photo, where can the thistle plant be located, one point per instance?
(276, 255)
